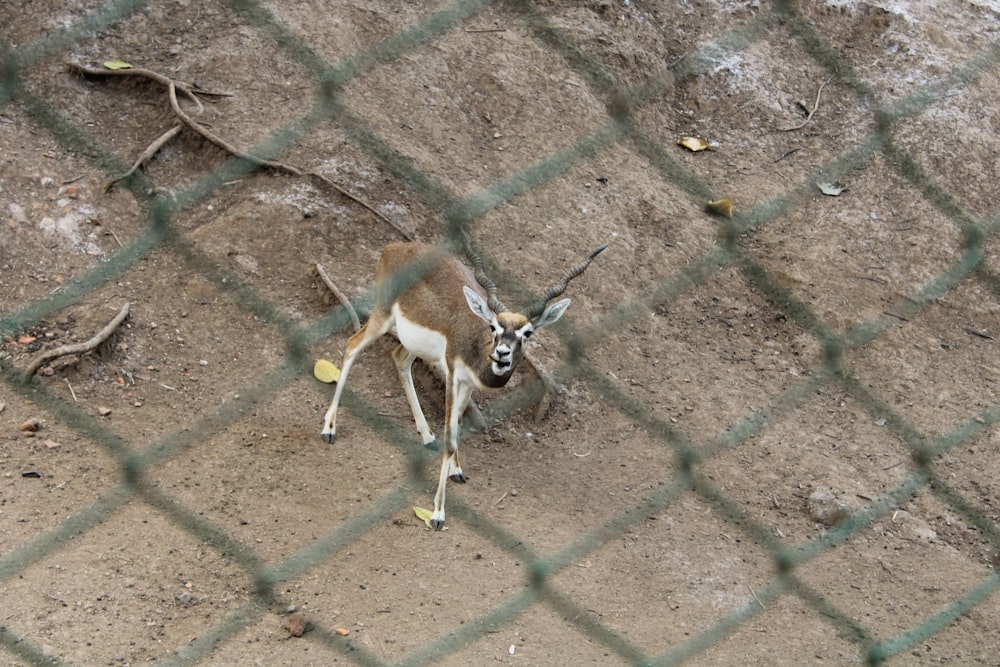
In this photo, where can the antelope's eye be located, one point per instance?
(497, 329)
(527, 334)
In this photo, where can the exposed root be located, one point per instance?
(192, 93)
(78, 348)
(146, 155)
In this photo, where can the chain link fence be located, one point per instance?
(730, 251)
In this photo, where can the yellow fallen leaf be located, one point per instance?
(117, 64)
(423, 514)
(324, 371)
(694, 144)
(721, 206)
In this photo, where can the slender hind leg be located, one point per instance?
(404, 365)
(376, 326)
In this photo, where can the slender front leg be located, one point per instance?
(437, 517)
(457, 398)
(462, 393)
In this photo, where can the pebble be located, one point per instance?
(826, 508)
(30, 426)
(296, 623)
(17, 213)
(916, 526)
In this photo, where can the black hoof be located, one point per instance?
(330, 438)
(458, 477)
(432, 445)
(437, 524)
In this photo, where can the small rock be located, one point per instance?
(17, 212)
(916, 526)
(30, 426)
(826, 508)
(297, 624)
(103, 411)
(52, 444)
(247, 263)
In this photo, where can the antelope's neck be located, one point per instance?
(491, 380)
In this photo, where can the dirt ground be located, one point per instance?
(663, 501)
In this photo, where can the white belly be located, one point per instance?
(427, 344)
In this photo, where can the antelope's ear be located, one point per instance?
(478, 305)
(551, 313)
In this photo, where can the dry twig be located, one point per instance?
(146, 155)
(361, 202)
(811, 112)
(341, 297)
(78, 348)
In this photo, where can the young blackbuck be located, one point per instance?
(449, 316)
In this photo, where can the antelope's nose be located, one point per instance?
(502, 352)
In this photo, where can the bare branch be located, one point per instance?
(361, 202)
(78, 348)
(191, 93)
(147, 154)
(341, 297)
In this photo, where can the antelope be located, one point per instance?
(449, 316)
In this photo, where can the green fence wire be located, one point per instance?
(623, 102)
